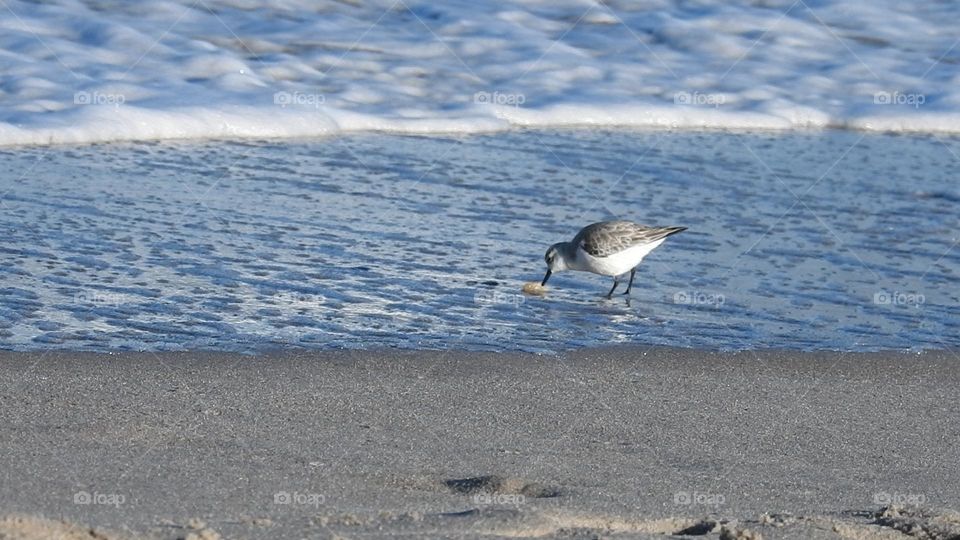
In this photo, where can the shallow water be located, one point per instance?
(826, 240)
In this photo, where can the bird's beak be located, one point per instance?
(546, 277)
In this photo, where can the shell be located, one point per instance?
(532, 287)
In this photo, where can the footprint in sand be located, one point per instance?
(499, 485)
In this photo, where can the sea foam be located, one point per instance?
(86, 71)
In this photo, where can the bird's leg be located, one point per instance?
(629, 285)
(615, 283)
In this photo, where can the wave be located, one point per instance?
(85, 72)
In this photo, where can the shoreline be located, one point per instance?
(291, 351)
(507, 129)
(619, 440)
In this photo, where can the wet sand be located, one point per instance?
(621, 442)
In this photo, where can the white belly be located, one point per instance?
(616, 264)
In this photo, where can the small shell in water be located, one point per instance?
(532, 287)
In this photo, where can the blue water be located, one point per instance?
(821, 240)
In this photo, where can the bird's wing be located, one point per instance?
(608, 237)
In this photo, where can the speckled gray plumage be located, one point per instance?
(608, 237)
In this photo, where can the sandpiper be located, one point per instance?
(608, 248)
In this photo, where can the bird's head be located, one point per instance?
(555, 259)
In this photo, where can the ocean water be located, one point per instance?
(244, 175)
(80, 71)
(839, 240)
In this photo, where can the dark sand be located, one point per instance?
(611, 443)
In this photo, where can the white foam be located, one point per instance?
(76, 71)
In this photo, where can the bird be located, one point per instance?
(608, 248)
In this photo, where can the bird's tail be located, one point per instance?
(668, 231)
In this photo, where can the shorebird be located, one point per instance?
(608, 248)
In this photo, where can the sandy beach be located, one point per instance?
(621, 442)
